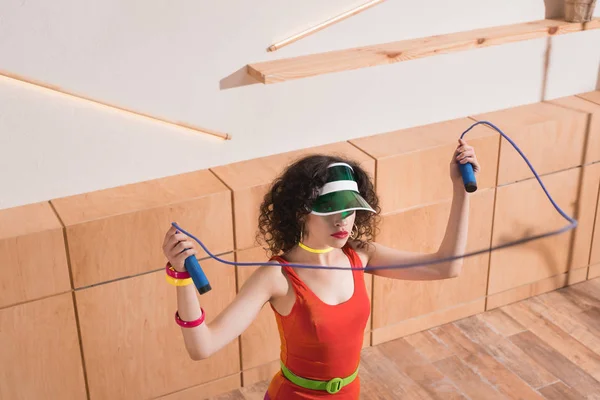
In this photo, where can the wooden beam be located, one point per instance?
(389, 53)
(57, 89)
(324, 25)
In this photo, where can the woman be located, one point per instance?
(321, 211)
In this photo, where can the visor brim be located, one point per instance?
(337, 202)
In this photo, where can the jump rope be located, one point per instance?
(201, 282)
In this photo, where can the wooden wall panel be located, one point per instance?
(119, 232)
(585, 214)
(251, 179)
(594, 271)
(424, 322)
(536, 288)
(206, 390)
(413, 164)
(261, 373)
(593, 96)
(422, 229)
(595, 252)
(551, 136)
(132, 346)
(33, 259)
(586, 104)
(522, 210)
(260, 342)
(40, 354)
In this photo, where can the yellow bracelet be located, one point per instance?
(178, 282)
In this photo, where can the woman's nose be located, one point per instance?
(341, 222)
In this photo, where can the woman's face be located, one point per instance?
(331, 230)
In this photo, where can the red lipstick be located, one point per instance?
(340, 235)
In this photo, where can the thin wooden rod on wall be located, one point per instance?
(46, 86)
(324, 25)
(389, 53)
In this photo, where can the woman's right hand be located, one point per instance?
(177, 247)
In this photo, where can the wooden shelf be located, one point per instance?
(389, 53)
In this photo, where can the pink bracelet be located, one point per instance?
(176, 274)
(189, 324)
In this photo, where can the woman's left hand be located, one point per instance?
(463, 154)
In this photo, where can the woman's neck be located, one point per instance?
(322, 255)
(323, 250)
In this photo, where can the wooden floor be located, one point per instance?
(546, 347)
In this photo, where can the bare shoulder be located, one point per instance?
(271, 278)
(364, 251)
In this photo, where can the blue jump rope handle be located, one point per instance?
(193, 267)
(198, 277)
(468, 176)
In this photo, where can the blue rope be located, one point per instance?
(572, 224)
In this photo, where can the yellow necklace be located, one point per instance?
(311, 250)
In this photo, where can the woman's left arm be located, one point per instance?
(453, 244)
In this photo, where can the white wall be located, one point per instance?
(167, 58)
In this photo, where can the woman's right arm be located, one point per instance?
(207, 338)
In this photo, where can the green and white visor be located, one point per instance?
(340, 193)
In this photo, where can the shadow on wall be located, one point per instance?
(537, 246)
(555, 8)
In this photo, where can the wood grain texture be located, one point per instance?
(260, 341)
(40, 352)
(560, 391)
(119, 232)
(594, 271)
(502, 349)
(516, 219)
(27, 220)
(528, 290)
(557, 364)
(382, 378)
(590, 104)
(423, 155)
(130, 324)
(546, 306)
(33, 258)
(428, 346)
(255, 392)
(467, 380)
(552, 137)
(476, 357)
(250, 180)
(417, 368)
(501, 323)
(427, 226)
(595, 250)
(552, 335)
(566, 300)
(382, 54)
(427, 321)
(586, 215)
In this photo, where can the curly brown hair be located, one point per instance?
(291, 198)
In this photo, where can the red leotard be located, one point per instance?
(320, 341)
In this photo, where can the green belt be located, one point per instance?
(332, 386)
